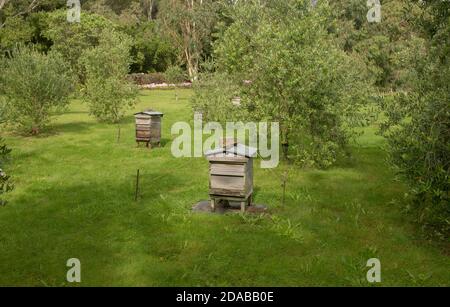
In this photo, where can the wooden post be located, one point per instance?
(118, 133)
(285, 177)
(213, 204)
(243, 206)
(137, 186)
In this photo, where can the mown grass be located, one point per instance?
(74, 199)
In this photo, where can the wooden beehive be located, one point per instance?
(231, 174)
(148, 127)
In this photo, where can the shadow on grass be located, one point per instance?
(96, 221)
(73, 127)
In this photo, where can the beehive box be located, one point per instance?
(148, 127)
(231, 173)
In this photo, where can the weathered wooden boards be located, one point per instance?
(231, 174)
(148, 127)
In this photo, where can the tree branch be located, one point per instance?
(28, 10)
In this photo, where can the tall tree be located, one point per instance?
(189, 23)
(71, 39)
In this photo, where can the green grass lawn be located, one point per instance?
(74, 199)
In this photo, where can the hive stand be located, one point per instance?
(248, 201)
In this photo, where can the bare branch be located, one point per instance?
(29, 9)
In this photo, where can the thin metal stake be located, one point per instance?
(137, 186)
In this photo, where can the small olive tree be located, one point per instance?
(175, 75)
(106, 90)
(33, 85)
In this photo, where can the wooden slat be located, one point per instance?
(237, 159)
(225, 194)
(143, 134)
(143, 127)
(143, 121)
(228, 195)
(228, 183)
(227, 169)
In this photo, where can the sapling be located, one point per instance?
(175, 75)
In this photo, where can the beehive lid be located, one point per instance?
(150, 113)
(236, 150)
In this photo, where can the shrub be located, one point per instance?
(418, 125)
(175, 75)
(34, 85)
(419, 138)
(107, 90)
(144, 79)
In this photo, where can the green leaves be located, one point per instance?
(417, 125)
(175, 75)
(33, 86)
(107, 90)
(189, 24)
(299, 77)
(72, 39)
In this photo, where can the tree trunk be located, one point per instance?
(34, 130)
(285, 142)
(285, 148)
(118, 132)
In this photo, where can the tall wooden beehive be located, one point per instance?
(231, 174)
(148, 127)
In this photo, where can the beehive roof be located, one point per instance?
(236, 149)
(150, 113)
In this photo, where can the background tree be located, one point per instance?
(107, 89)
(151, 50)
(33, 85)
(189, 23)
(19, 22)
(382, 45)
(14, 9)
(71, 39)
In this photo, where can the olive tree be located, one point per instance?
(175, 75)
(107, 90)
(33, 85)
(289, 70)
(417, 123)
